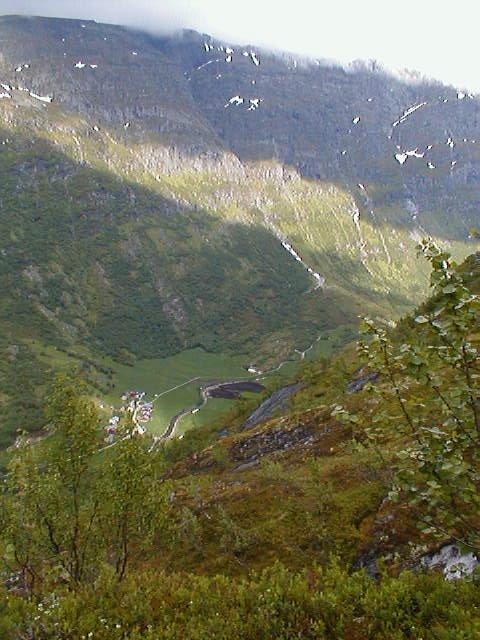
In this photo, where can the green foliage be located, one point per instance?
(429, 405)
(46, 514)
(80, 525)
(62, 514)
(22, 386)
(97, 256)
(315, 604)
(234, 539)
(133, 503)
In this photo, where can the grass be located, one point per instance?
(162, 375)
(211, 412)
(174, 370)
(158, 375)
(167, 276)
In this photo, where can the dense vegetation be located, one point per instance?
(108, 266)
(140, 223)
(135, 541)
(316, 604)
(143, 214)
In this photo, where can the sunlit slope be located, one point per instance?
(143, 267)
(142, 214)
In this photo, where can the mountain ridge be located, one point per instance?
(220, 186)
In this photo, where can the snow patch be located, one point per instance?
(237, 100)
(319, 279)
(205, 64)
(79, 65)
(356, 120)
(412, 153)
(254, 103)
(408, 112)
(5, 95)
(47, 99)
(254, 58)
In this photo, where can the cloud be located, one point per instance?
(427, 35)
(160, 17)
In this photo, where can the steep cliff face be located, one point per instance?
(405, 138)
(159, 193)
(413, 144)
(96, 71)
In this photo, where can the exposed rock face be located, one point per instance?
(205, 105)
(452, 561)
(354, 386)
(278, 401)
(155, 196)
(277, 439)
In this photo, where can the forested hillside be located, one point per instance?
(351, 514)
(160, 194)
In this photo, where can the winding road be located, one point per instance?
(205, 392)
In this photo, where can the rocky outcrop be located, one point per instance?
(277, 402)
(274, 440)
(454, 562)
(356, 385)
(190, 102)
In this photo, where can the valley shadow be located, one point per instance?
(89, 258)
(305, 117)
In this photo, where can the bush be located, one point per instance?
(316, 604)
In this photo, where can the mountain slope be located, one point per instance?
(163, 193)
